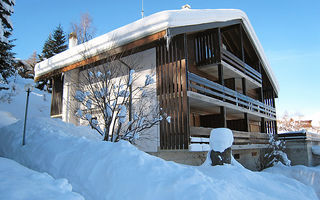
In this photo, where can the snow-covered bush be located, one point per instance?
(115, 101)
(274, 153)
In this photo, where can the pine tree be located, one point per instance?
(6, 56)
(56, 43)
(59, 40)
(47, 50)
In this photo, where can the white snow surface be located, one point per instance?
(105, 170)
(309, 176)
(39, 101)
(147, 26)
(220, 139)
(315, 150)
(20, 183)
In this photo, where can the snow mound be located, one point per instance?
(19, 182)
(221, 139)
(103, 170)
(309, 176)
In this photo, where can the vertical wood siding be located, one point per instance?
(172, 93)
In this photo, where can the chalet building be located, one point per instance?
(211, 71)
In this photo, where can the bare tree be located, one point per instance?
(84, 29)
(116, 101)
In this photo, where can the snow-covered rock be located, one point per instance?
(221, 139)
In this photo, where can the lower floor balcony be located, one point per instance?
(207, 97)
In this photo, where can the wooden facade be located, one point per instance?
(211, 67)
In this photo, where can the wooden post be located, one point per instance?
(263, 127)
(223, 114)
(246, 120)
(218, 57)
(241, 43)
(186, 99)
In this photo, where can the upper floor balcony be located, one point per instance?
(209, 54)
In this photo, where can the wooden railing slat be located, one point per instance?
(215, 89)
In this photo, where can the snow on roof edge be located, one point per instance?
(147, 26)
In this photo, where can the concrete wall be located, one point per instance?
(249, 158)
(300, 152)
(182, 156)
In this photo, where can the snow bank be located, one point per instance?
(103, 170)
(307, 175)
(19, 182)
(221, 139)
(6, 118)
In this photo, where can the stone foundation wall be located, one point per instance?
(249, 158)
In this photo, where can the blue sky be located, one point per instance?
(289, 32)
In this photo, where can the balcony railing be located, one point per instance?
(215, 90)
(238, 64)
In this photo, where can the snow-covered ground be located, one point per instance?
(307, 175)
(13, 101)
(19, 182)
(104, 170)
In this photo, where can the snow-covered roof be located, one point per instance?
(150, 25)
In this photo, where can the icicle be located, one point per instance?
(168, 38)
(130, 76)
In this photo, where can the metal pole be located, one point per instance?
(25, 118)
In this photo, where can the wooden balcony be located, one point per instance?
(199, 139)
(205, 94)
(239, 65)
(233, 68)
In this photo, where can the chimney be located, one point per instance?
(73, 41)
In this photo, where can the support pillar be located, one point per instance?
(263, 127)
(69, 105)
(223, 114)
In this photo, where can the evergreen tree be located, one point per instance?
(6, 56)
(56, 43)
(47, 50)
(59, 40)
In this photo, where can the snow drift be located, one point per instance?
(306, 175)
(104, 170)
(19, 182)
